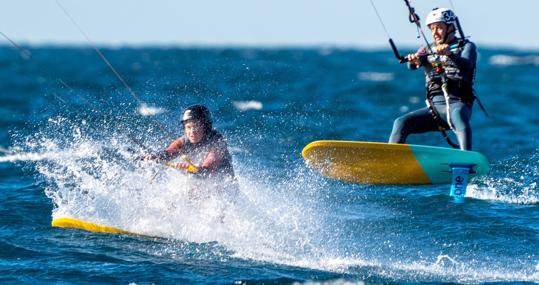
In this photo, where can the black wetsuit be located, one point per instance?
(459, 68)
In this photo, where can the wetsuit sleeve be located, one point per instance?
(423, 60)
(467, 58)
(172, 151)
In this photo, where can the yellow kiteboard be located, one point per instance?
(67, 222)
(383, 163)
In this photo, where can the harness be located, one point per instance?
(439, 122)
(460, 86)
(439, 69)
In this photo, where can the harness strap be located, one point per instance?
(481, 106)
(440, 122)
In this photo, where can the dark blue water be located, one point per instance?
(67, 136)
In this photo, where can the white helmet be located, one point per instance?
(443, 15)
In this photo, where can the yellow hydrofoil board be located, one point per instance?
(383, 163)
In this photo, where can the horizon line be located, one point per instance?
(194, 45)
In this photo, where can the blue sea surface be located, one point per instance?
(71, 132)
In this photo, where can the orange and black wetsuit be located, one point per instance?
(210, 155)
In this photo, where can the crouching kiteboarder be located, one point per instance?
(204, 154)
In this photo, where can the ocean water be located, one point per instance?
(70, 134)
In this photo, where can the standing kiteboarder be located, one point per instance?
(449, 65)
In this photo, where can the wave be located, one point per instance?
(247, 105)
(442, 269)
(21, 157)
(514, 180)
(507, 60)
(146, 110)
(376, 76)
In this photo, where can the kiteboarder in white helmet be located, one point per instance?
(449, 65)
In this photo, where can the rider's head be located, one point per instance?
(197, 123)
(441, 22)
